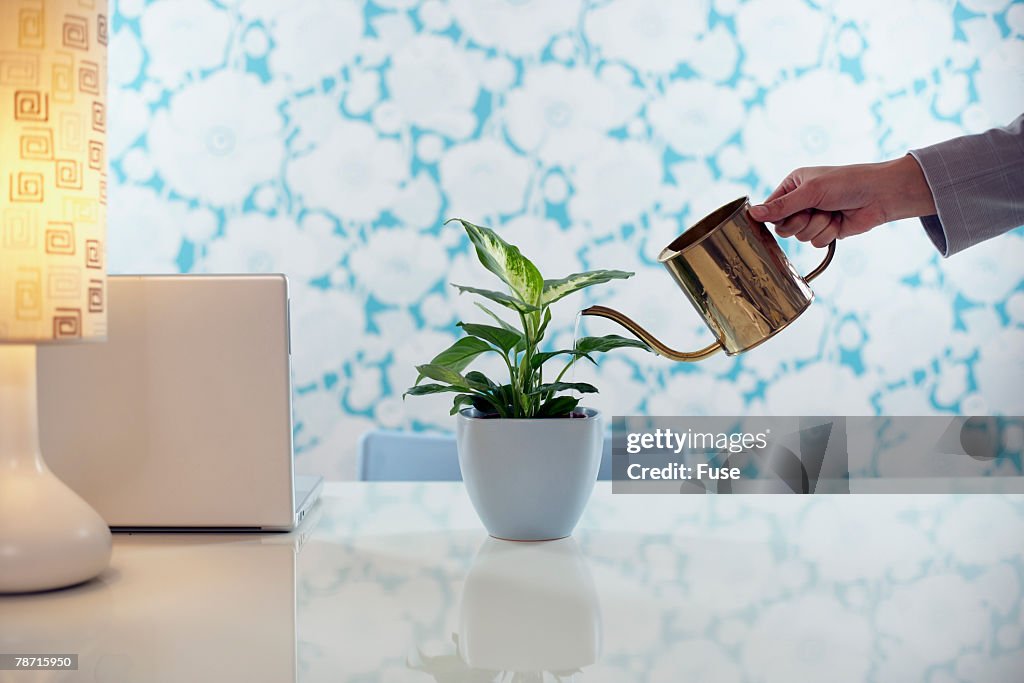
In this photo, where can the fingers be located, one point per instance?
(788, 227)
(817, 227)
(787, 185)
(785, 205)
(828, 235)
(818, 221)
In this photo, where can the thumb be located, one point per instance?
(783, 207)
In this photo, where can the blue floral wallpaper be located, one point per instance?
(327, 139)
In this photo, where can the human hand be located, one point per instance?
(823, 203)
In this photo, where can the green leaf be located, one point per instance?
(607, 343)
(501, 323)
(504, 325)
(558, 406)
(479, 378)
(489, 406)
(460, 354)
(425, 389)
(460, 401)
(581, 387)
(556, 289)
(544, 324)
(499, 298)
(443, 374)
(502, 399)
(502, 338)
(505, 261)
(541, 358)
(485, 404)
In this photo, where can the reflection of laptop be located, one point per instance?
(183, 418)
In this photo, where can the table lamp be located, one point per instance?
(53, 64)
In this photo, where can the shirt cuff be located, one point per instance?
(947, 229)
(936, 233)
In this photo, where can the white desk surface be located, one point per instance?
(386, 581)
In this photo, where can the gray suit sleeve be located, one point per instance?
(977, 182)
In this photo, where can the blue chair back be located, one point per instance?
(386, 455)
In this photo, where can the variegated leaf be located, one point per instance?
(499, 298)
(505, 261)
(556, 289)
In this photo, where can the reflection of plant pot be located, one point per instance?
(529, 480)
(529, 608)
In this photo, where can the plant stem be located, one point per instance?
(525, 373)
(512, 378)
(567, 366)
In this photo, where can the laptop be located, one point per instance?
(182, 419)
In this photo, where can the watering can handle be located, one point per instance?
(824, 264)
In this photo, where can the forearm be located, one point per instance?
(903, 189)
(964, 191)
(977, 182)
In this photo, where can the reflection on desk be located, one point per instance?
(173, 607)
(526, 609)
(398, 583)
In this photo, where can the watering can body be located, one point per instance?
(734, 273)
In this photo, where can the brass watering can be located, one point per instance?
(737, 277)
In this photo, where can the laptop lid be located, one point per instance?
(182, 418)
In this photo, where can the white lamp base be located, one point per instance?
(49, 537)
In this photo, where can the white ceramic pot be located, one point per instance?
(529, 480)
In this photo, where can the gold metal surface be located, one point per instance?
(737, 277)
(650, 339)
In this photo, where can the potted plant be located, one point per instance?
(529, 453)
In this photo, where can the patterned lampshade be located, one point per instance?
(53, 173)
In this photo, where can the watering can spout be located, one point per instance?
(649, 339)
